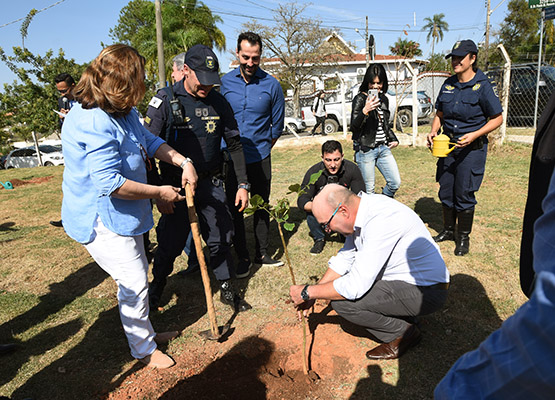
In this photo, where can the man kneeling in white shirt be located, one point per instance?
(389, 271)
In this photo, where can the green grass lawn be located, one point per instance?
(61, 308)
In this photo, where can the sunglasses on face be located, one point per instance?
(326, 226)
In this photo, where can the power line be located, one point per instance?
(41, 10)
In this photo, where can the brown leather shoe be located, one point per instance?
(397, 347)
(165, 337)
(157, 360)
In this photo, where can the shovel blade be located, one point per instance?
(208, 334)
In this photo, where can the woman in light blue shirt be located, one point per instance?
(106, 198)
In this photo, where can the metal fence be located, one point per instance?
(522, 91)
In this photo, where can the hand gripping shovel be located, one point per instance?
(215, 332)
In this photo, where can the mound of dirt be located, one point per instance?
(19, 182)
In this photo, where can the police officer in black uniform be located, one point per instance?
(468, 108)
(193, 119)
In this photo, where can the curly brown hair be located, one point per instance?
(114, 81)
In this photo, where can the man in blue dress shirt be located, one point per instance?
(516, 361)
(258, 104)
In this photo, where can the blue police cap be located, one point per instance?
(203, 61)
(462, 48)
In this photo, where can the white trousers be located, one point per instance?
(123, 257)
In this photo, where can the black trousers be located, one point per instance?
(260, 177)
(215, 225)
(320, 121)
(239, 238)
(387, 306)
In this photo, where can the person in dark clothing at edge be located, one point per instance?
(541, 169)
(334, 170)
(468, 108)
(193, 118)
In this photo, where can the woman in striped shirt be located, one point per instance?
(373, 137)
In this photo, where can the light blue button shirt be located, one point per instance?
(100, 153)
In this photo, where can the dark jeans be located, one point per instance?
(260, 178)
(315, 228)
(460, 175)
(215, 226)
(383, 310)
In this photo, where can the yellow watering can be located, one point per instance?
(441, 145)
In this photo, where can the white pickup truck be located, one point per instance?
(335, 110)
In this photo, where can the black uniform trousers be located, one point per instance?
(460, 175)
(215, 225)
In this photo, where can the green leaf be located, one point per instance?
(289, 226)
(294, 188)
(257, 200)
(314, 177)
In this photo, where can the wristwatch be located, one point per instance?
(185, 162)
(304, 293)
(246, 186)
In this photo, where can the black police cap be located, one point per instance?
(462, 48)
(203, 61)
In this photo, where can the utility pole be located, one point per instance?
(367, 45)
(160, 45)
(488, 14)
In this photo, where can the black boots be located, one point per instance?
(229, 297)
(464, 227)
(462, 239)
(449, 220)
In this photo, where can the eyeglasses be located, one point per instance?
(64, 91)
(326, 226)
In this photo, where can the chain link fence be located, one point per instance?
(522, 91)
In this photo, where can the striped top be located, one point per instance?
(380, 133)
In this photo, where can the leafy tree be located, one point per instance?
(435, 27)
(26, 105)
(297, 42)
(406, 48)
(184, 24)
(519, 31)
(437, 62)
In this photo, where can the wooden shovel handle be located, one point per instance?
(193, 219)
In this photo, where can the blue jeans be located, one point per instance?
(315, 228)
(382, 158)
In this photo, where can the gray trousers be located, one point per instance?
(383, 311)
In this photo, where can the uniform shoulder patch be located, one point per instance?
(155, 102)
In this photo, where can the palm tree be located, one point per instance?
(184, 24)
(435, 27)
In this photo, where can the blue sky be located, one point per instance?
(79, 26)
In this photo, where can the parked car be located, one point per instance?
(334, 109)
(293, 125)
(27, 157)
(522, 91)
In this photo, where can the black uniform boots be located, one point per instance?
(462, 239)
(449, 220)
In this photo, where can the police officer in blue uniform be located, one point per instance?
(468, 108)
(193, 119)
